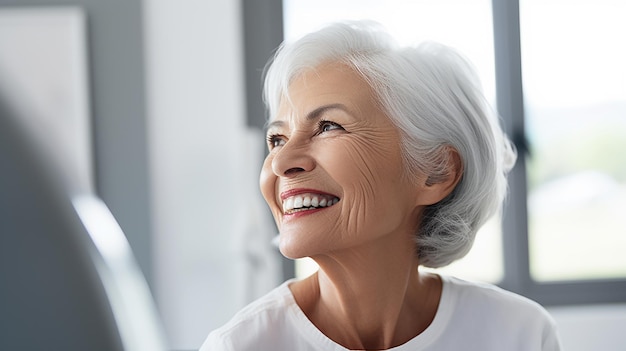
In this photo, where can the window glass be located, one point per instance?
(464, 25)
(574, 74)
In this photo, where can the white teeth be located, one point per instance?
(297, 202)
(288, 204)
(315, 201)
(307, 201)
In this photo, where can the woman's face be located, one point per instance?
(334, 177)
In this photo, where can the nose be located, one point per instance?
(292, 159)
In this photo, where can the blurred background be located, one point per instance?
(155, 107)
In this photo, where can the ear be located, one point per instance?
(435, 188)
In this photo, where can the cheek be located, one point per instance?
(369, 164)
(370, 174)
(267, 183)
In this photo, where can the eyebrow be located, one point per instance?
(313, 115)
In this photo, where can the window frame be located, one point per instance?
(510, 106)
(263, 31)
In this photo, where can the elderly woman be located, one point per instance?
(381, 159)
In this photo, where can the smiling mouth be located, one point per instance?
(307, 202)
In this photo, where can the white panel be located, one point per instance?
(204, 169)
(43, 64)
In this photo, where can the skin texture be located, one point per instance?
(331, 137)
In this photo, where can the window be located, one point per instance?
(560, 240)
(545, 256)
(575, 121)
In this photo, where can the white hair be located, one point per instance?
(432, 94)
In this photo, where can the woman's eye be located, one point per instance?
(326, 126)
(275, 141)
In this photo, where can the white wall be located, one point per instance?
(594, 327)
(209, 225)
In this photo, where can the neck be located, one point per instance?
(374, 292)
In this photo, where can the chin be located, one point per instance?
(294, 248)
(291, 252)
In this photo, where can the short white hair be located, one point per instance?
(432, 94)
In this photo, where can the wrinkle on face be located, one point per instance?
(362, 164)
(375, 166)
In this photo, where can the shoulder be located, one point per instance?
(461, 288)
(482, 307)
(253, 325)
(493, 299)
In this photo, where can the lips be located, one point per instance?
(295, 201)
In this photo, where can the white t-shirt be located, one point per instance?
(470, 317)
